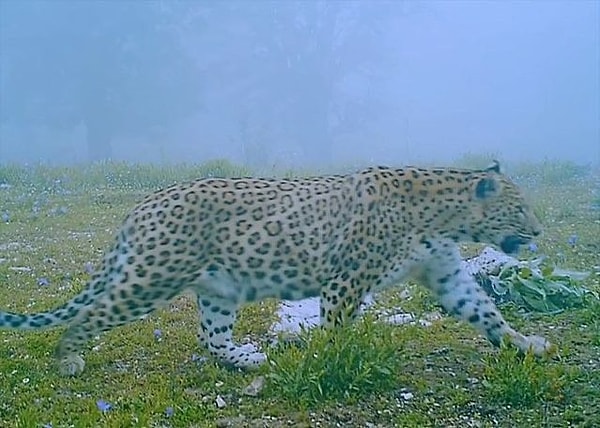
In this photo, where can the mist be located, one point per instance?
(301, 84)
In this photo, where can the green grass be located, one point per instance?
(345, 365)
(523, 380)
(442, 375)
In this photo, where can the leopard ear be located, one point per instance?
(494, 167)
(487, 187)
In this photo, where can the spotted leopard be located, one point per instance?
(233, 241)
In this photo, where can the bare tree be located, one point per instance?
(116, 67)
(289, 60)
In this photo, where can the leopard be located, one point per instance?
(337, 237)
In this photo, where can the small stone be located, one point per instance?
(405, 294)
(220, 402)
(229, 422)
(407, 395)
(433, 316)
(198, 359)
(399, 319)
(473, 380)
(255, 387)
(88, 267)
(20, 268)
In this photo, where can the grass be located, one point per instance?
(347, 365)
(60, 219)
(523, 380)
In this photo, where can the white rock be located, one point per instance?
(399, 319)
(407, 395)
(255, 387)
(220, 402)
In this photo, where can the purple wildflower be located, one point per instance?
(157, 334)
(103, 406)
(89, 267)
(169, 411)
(43, 282)
(58, 211)
(572, 240)
(533, 247)
(5, 217)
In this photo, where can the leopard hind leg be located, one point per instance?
(219, 296)
(215, 332)
(113, 308)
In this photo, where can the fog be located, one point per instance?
(285, 83)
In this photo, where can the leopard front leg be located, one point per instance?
(217, 318)
(462, 297)
(340, 302)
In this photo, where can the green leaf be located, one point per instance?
(538, 285)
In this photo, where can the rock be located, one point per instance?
(230, 422)
(20, 269)
(400, 319)
(407, 396)
(220, 402)
(255, 387)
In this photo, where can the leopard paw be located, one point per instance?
(71, 365)
(539, 346)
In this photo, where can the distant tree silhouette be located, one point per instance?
(289, 60)
(117, 67)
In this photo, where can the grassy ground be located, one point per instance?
(57, 221)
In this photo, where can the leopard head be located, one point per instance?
(500, 214)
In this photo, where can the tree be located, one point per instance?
(290, 60)
(118, 67)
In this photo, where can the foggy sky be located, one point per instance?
(520, 79)
(512, 77)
